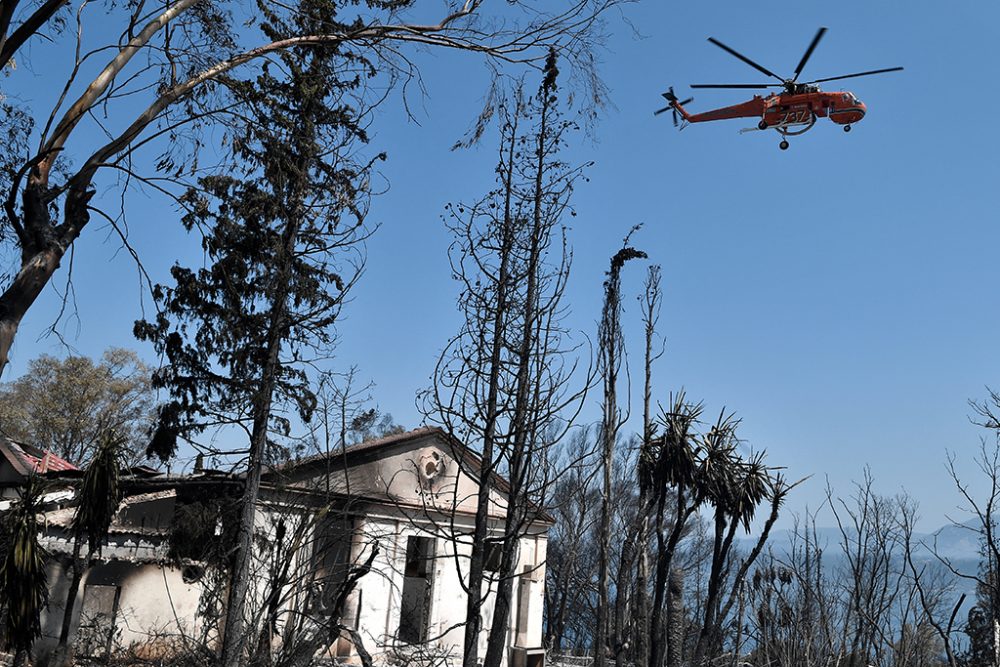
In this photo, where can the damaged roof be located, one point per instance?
(27, 459)
(63, 518)
(469, 460)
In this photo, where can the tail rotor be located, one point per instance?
(672, 105)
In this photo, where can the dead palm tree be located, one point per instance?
(23, 586)
(673, 477)
(735, 487)
(100, 496)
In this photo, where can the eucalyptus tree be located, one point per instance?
(67, 406)
(149, 87)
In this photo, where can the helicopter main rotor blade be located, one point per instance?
(809, 52)
(737, 54)
(851, 76)
(737, 85)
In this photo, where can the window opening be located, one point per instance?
(331, 560)
(414, 613)
(491, 562)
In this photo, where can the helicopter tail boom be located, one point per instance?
(749, 109)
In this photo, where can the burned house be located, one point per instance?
(18, 460)
(362, 551)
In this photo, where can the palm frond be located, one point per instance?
(23, 584)
(100, 493)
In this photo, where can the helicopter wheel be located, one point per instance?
(762, 125)
(783, 145)
(847, 128)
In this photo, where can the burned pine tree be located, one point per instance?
(504, 381)
(284, 244)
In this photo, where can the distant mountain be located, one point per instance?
(959, 544)
(955, 542)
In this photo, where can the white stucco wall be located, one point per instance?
(380, 591)
(154, 605)
(397, 500)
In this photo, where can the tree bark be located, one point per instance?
(675, 618)
(626, 557)
(42, 248)
(650, 316)
(664, 561)
(64, 656)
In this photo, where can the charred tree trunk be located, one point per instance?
(43, 246)
(666, 546)
(523, 421)
(477, 558)
(611, 345)
(650, 315)
(623, 599)
(675, 618)
(234, 636)
(64, 656)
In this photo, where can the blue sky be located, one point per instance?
(839, 296)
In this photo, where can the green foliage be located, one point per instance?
(67, 406)
(283, 241)
(16, 126)
(23, 587)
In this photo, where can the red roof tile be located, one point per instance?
(34, 459)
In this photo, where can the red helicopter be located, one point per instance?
(791, 112)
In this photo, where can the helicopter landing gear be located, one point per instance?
(783, 145)
(762, 125)
(847, 128)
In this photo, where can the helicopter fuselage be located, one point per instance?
(783, 110)
(790, 112)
